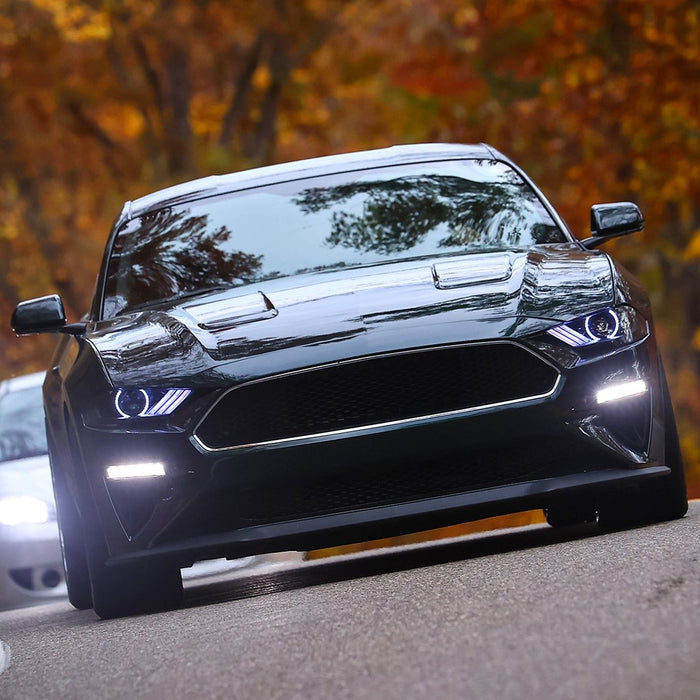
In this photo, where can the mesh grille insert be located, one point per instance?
(315, 491)
(376, 390)
(509, 464)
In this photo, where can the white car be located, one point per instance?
(31, 569)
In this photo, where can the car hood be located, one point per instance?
(293, 322)
(30, 476)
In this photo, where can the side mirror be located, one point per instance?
(42, 315)
(612, 220)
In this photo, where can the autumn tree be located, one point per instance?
(105, 100)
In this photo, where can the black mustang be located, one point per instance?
(342, 349)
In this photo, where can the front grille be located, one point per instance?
(375, 390)
(231, 502)
(513, 463)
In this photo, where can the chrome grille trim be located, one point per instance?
(372, 427)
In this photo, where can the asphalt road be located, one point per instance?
(528, 613)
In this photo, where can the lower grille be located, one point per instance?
(377, 390)
(230, 504)
(512, 464)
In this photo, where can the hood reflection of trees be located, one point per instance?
(171, 252)
(398, 214)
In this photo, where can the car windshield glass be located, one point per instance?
(22, 431)
(324, 223)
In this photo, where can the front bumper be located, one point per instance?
(339, 487)
(389, 521)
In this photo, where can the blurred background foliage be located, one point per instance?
(106, 100)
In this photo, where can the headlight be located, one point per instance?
(590, 337)
(22, 510)
(147, 403)
(620, 325)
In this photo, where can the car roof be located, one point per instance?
(344, 162)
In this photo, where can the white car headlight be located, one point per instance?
(148, 403)
(620, 325)
(23, 510)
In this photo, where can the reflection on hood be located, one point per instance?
(351, 313)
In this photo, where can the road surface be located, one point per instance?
(527, 613)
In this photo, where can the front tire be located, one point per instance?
(71, 529)
(130, 589)
(75, 562)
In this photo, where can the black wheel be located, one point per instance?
(72, 543)
(127, 590)
(74, 559)
(130, 589)
(568, 514)
(657, 499)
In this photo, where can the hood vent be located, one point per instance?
(474, 269)
(221, 313)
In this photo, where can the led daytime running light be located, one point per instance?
(172, 399)
(135, 471)
(621, 391)
(569, 336)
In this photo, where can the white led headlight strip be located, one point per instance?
(165, 406)
(172, 399)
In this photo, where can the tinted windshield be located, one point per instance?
(22, 431)
(324, 223)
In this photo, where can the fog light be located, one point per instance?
(135, 471)
(622, 391)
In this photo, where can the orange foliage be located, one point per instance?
(104, 100)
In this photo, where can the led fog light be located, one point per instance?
(621, 391)
(135, 471)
